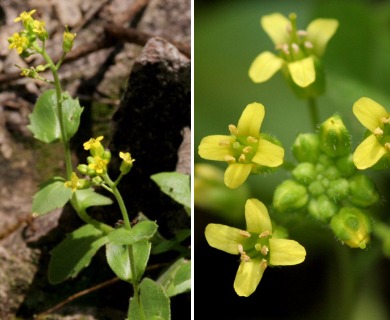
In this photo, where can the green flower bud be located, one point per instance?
(316, 188)
(362, 191)
(305, 173)
(96, 181)
(335, 139)
(331, 173)
(68, 41)
(338, 189)
(82, 168)
(306, 147)
(352, 227)
(290, 196)
(106, 155)
(346, 166)
(322, 208)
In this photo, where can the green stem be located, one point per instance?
(126, 220)
(313, 110)
(64, 138)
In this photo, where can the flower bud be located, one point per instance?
(96, 181)
(68, 41)
(290, 196)
(305, 173)
(322, 208)
(82, 168)
(352, 227)
(335, 139)
(306, 147)
(362, 191)
(346, 166)
(338, 189)
(316, 188)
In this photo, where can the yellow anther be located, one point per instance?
(295, 47)
(302, 33)
(308, 45)
(378, 131)
(264, 250)
(233, 129)
(230, 159)
(247, 149)
(265, 234)
(242, 158)
(385, 120)
(251, 139)
(244, 233)
(263, 264)
(224, 143)
(241, 249)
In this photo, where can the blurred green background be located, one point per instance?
(228, 36)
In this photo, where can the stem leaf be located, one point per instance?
(177, 278)
(75, 253)
(55, 190)
(88, 197)
(143, 230)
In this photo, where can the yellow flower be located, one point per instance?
(39, 29)
(98, 164)
(25, 16)
(256, 246)
(127, 162)
(245, 150)
(94, 145)
(376, 119)
(73, 183)
(68, 41)
(298, 49)
(19, 42)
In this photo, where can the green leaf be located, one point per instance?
(160, 244)
(44, 121)
(52, 195)
(176, 185)
(119, 262)
(154, 301)
(141, 231)
(75, 253)
(88, 197)
(134, 310)
(177, 278)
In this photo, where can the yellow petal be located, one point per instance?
(268, 154)
(276, 26)
(319, 33)
(369, 113)
(223, 237)
(211, 149)
(256, 217)
(251, 119)
(285, 252)
(368, 153)
(248, 277)
(303, 72)
(264, 67)
(236, 174)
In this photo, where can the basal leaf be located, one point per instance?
(52, 195)
(75, 253)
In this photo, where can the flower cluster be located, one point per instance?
(327, 184)
(245, 149)
(257, 246)
(299, 53)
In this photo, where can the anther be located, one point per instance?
(244, 233)
(285, 48)
(224, 143)
(247, 149)
(242, 158)
(233, 129)
(230, 159)
(295, 47)
(263, 264)
(245, 258)
(385, 120)
(241, 249)
(308, 45)
(264, 250)
(250, 139)
(378, 131)
(302, 33)
(265, 234)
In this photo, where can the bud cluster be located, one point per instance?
(326, 183)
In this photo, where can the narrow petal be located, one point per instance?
(236, 174)
(319, 33)
(368, 153)
(248, 277)
(256, 217)
(210, 148)
(303, 72)
(223, 237)
(251, 119)
(369, 113)
(285, 252)
(264, 67)
(276, 26)
(268, 154)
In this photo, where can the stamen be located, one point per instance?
(265, 234)
(247, 149)
(378, 131)
(263, 264)
(244, 233)
(230, 159)
(385, 120)
(285, 48)
(224, 143)
(245, 258)
(233, 129)
(295, 47)
(264, 250)
(241, 249)
(308, 45)
(242, 158)
(250, 139)
(302, 33)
